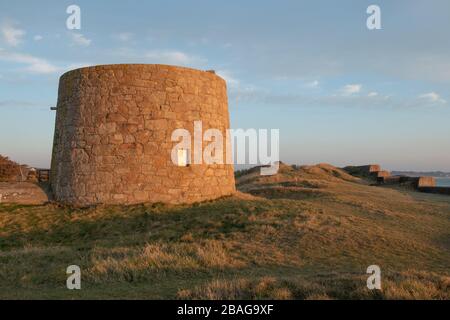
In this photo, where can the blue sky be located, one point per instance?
(338, 92)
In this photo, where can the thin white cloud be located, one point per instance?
(73, 66)
(350, 89)
(11, 35)
(228, 77)
(33, 64)
(432, 97)
(80, 40)
(18, 104)
(253, 95)
(313, 84)
(171, 57)
(38, 37)
(36, 65)
(123, 36)
(162, 56)
(372, 94)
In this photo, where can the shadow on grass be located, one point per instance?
(133, 224)
(294, 193)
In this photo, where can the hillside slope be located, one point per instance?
(307, 233)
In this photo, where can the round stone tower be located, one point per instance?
(113, 135)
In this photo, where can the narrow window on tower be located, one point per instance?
(183, 158)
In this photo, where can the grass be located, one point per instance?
(307, 233)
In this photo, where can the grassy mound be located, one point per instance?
(306, 233)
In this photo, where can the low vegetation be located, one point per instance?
(306, 233)
(9, 170)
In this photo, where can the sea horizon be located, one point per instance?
(442, 182)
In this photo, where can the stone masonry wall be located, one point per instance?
(112, 141)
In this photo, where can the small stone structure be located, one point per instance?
(364, 171)
(383, 174)
(426, 182)
(112, 141)
(423, 184)
(416, 182)
(390, 180)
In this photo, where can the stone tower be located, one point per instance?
(112, 141)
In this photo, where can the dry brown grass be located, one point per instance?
(285, 243)
(141, 263)
(406, 285)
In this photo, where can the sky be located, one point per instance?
(339, 92)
